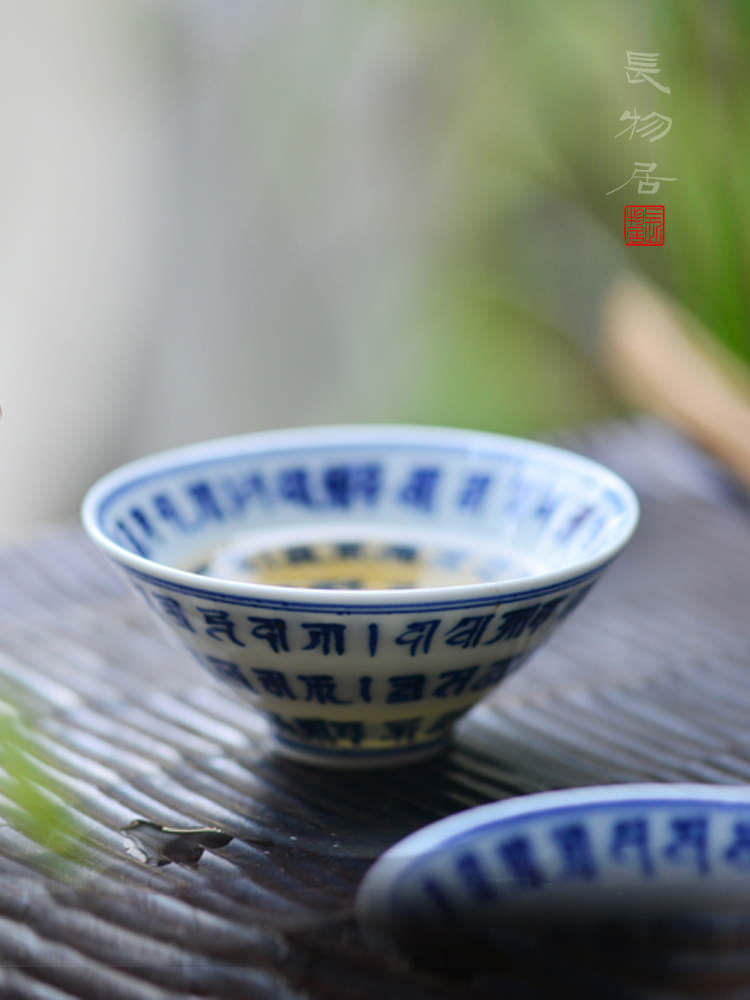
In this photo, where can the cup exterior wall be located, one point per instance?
(373, 684)
(516, 533)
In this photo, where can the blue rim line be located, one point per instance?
(350, 754)
(343, 609)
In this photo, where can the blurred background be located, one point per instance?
(221, 216)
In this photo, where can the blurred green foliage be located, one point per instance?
(539, 89)
(31, 800)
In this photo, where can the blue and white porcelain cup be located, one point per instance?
(362, 586)
(651, 880)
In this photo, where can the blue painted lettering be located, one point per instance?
(172, 609)
(402, 730)
(494, 674)
(690, 842)
(632, 835)
(300, 554)
(372, 638)
(274, 682)
(406, 687)
(346, 483)
(455, 682)
(167, 511)
(575, 848)
(575, 522)
(544, 614)
(323, 731)
(519, 859)
(316, 730)
(473, 493)
(322, 634)
(547, 507)
(401, 553)
(220, 625)
(272, 631)
(474, 878)
(321, 688)
(143, 522)
(242, 492)
(468, 632)
(418, 633)
(229, 671)
(738, 852)
(349, 550)
(130, 541)
(294, 487)
(206, 503)
(514, 624)
(419, 490)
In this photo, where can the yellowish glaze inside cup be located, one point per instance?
(374, 564)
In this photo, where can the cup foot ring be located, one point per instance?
(358, 760)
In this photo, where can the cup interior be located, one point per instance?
(378, 508)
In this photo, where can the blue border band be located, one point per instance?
(404, 608)
(553, 811)
(250, 455)
(550, 812)
(405, 751)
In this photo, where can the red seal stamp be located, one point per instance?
(644, 225)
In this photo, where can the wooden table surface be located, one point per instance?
(650, 680)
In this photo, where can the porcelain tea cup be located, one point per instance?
(649, 879)
(362, 586)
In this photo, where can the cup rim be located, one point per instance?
(109, 486)
(469, 825)
(453, 829)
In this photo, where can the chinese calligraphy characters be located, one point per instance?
(642, 67)
(646, 130)
(646, 183)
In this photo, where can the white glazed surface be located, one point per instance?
(365, 677)
(636, 849)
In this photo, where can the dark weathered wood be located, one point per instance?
(648, 681)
